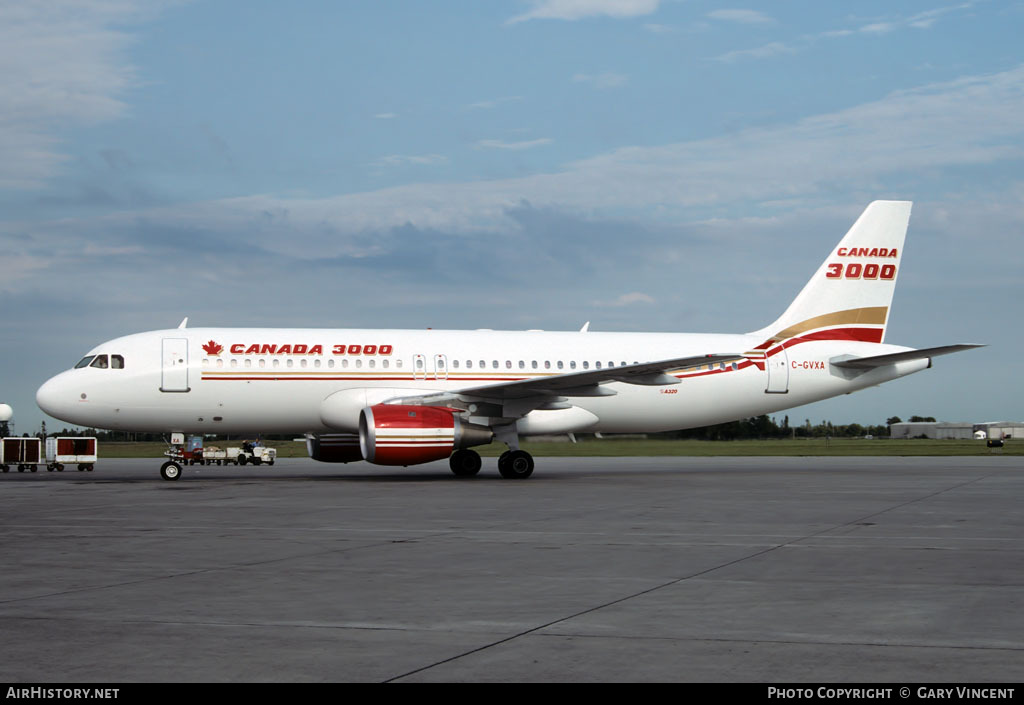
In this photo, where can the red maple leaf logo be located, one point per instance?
(212, 348)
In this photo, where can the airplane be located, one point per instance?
(404, 397)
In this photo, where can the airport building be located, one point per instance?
(958, 431)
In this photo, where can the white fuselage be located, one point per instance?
(247, 380)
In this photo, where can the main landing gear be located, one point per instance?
(465, 462)
(513, 464)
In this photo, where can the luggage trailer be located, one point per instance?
(71, 450)
(26, 453)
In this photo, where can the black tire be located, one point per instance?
(60, 467)
(465, 463)
(88, 468)
(516, 465)
(81, 467)
(270, 462)
(21, 468)
(170, 470)
(256, 461)
(50, 468)
(33, 468)
(242, 460)
(4, 468)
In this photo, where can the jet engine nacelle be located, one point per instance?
(393, 434)
(334, 447)
(340, 411)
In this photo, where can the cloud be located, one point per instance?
(609, 79)
(527, 144)
(655, 28)
(418, 159)
(489, 104)
(15, 268)
(879, 28)
(925, 20)
(580, 9)
(635, 297)
(921, 21)
(741, 16)
(968, 122)
(762, 52)
(62, 65)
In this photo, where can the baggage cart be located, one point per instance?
(26, 453)
(80, 450)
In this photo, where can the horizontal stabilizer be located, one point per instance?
(867, 363)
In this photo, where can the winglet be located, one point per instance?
(585, 328)
(184, 323)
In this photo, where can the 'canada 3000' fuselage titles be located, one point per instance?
(402, 397)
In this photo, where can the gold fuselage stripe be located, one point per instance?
(873, 315)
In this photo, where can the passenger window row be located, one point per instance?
(117, 362)
(536, 364)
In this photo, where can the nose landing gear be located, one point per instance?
(170, 470)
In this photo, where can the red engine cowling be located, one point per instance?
(334, 447)
(392, 434)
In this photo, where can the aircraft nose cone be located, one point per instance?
(52, 397)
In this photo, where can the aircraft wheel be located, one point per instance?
(465, 463)
(170, 470)
(516, 465)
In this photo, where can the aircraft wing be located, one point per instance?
(587, 383)
(867, 363)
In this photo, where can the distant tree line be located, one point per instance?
(764, 427)
(913, 419)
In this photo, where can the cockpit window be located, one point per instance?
(100, 362)
(84, 362)
(117, 362)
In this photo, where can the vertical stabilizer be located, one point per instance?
(849, 297)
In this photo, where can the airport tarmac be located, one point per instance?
(776, 570)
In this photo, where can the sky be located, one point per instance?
(657, 165)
